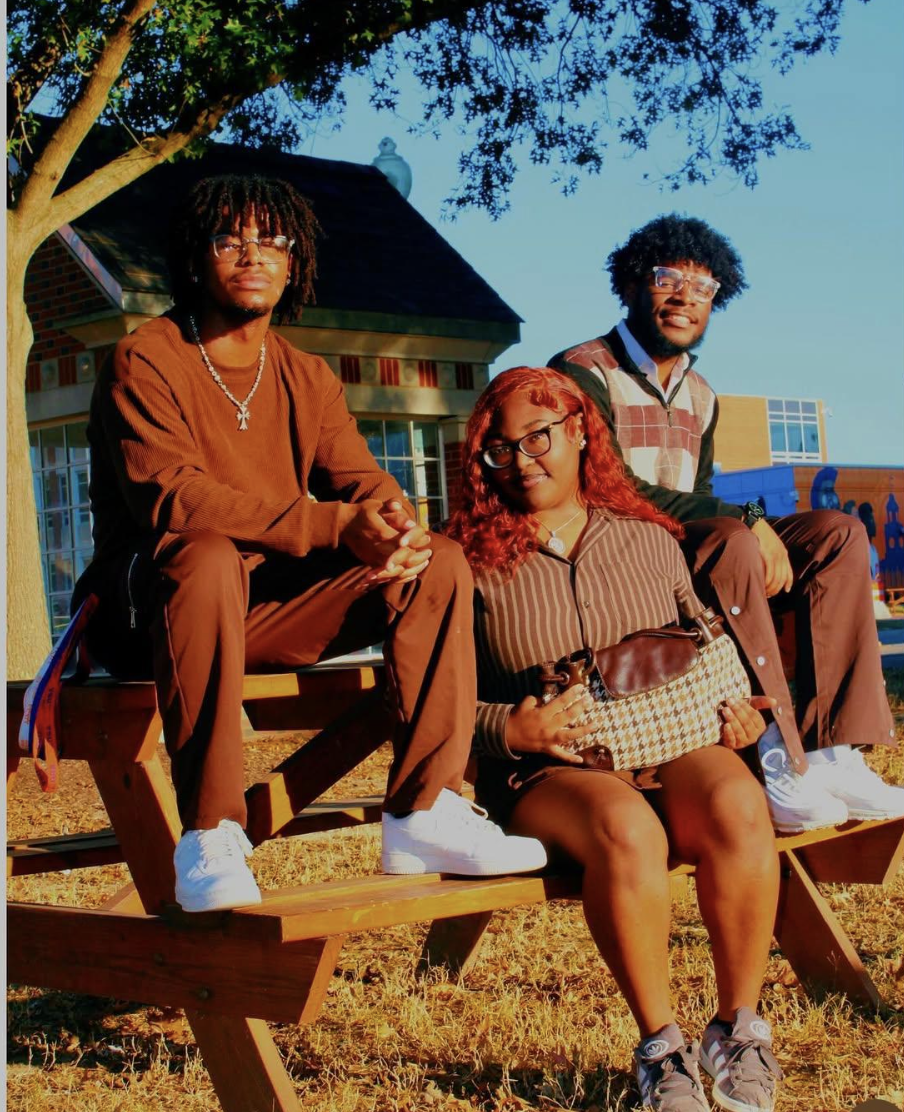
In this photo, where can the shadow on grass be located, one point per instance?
(46, 1028)
(555, 1083)
(49, 1029)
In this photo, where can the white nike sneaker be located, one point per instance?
(211, 873)
(843, 773)
(455, 836)
(796, 802)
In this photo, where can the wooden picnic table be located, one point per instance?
(233, 972)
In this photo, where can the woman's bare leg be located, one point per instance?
(611, 830)
(717, 819)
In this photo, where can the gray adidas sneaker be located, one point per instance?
(741, 1063)
(667, 1072)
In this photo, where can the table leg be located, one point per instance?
(813, 940)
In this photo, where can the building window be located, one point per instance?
(59, 464)
(794, 431)
(411, 451)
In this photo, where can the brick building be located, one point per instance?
(402, 319)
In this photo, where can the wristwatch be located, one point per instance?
(753, 512)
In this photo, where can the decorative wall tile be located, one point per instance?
(464, 376)
(427, 373)
(390, 371)
(84, 367)
(50, 374)
(446, 376)
(349, 368)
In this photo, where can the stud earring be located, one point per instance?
(194, 278)
(583, 442)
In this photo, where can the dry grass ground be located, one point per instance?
(538, 1024)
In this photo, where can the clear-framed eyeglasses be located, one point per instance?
(271, 248)
(671, 280)
(537, 443)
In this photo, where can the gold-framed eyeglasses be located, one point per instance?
(271, 248)
(535, 444)
(699, 287)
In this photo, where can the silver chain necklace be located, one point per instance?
(556, 544)
(242, 412)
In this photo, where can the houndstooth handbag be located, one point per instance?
(656, 693)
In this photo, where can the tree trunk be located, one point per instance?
(27, 624)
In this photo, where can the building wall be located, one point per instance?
(743, 437)
(873, 494)
(57, 287)
(853, 488)
(742, 434)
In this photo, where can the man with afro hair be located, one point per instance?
(809, 568)
(241, 524)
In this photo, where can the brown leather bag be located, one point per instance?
(656, 693)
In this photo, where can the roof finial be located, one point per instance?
(393, 166)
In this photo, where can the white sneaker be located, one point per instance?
(843, 773)
(211, 874)
(455, 836)
(795, 802)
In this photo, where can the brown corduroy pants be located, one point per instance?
(837, 669)
(213, 613)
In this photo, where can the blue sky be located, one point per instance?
(822, 238)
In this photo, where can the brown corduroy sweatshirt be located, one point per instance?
(167, 456)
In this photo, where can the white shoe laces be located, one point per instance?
(226, 840)
(473, 818)
(780, 775)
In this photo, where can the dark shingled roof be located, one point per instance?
(378, 255)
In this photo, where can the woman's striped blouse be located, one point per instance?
(625, 576)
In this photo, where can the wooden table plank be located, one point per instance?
(150, 960)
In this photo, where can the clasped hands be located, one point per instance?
(383, 536)
(537, 727)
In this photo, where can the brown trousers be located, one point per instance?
(208, 613)
(837, 668)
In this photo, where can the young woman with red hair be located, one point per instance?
(566, 556)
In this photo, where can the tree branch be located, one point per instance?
(78, 121)
(90, 191)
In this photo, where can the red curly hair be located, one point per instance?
(496, 537)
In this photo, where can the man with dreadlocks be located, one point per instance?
(812, 568)
(211, 437)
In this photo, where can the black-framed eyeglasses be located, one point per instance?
(534, 444)
(671, 280)
(271, 248)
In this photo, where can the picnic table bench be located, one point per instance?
(233, 972)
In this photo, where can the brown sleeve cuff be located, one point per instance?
(489, 731)
(323, 525)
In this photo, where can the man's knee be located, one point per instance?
(723, 542)
(448, 563)
(833, 535)
(203, 559)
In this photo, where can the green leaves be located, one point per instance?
(533, 74)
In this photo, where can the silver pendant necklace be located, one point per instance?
(242, 412)
(555, 543)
